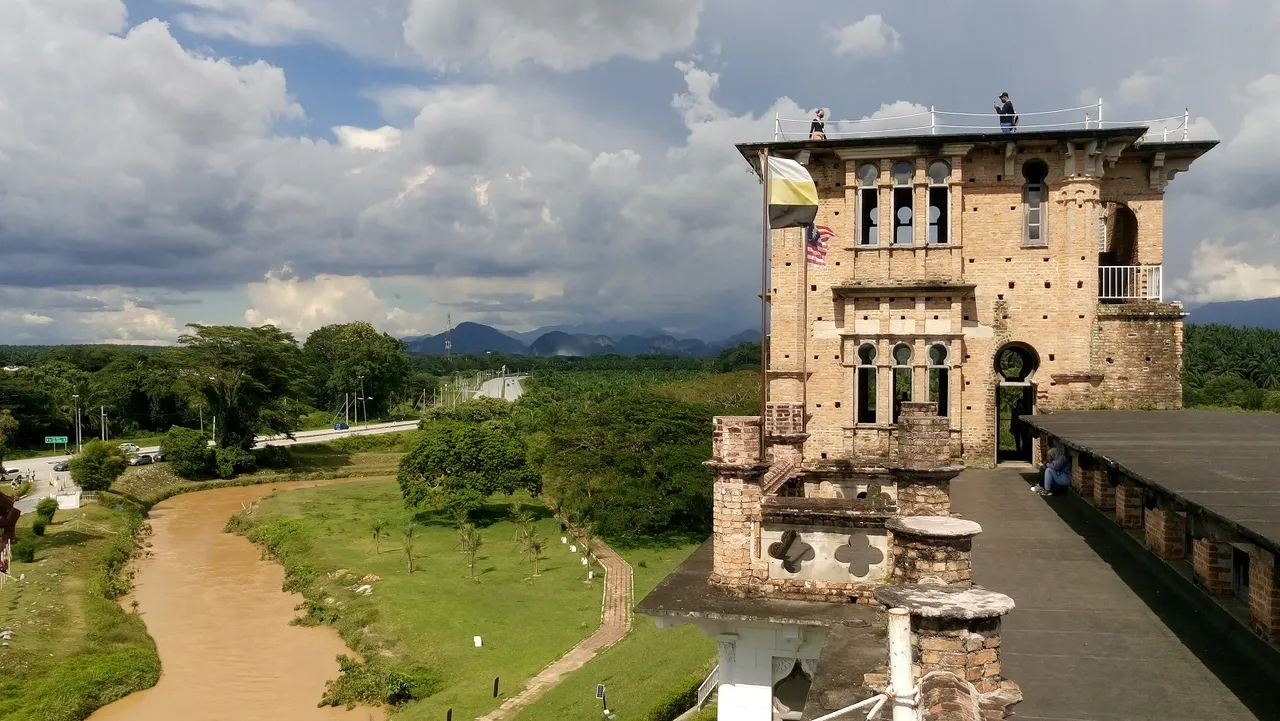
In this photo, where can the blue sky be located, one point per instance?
(531, 162)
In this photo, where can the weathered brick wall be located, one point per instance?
(917, 559)
(1264, 594)
(735, 439)
(784, 419)
(1045, 297)
(1211, 562)
(735, 532)
(1104, 494)
(968, 648)
(1165, 532)
(924, 498)
(1083, 479)
(1129, 496)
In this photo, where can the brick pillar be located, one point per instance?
(1166, 533)
(1211, 562)
(1104, 494)
(1082, 479)
(1129, 504)
(933, 549)
(1264, 594)
(735, 500)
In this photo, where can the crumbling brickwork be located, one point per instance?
(1129, 495)
(970, 648)
(918, 560)
(1165, 531)
(924, 437)
(1264, 594)
(1211, 563)
(990, 285)
(924, 498)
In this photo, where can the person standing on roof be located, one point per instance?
(818, 128)
(1008, 118)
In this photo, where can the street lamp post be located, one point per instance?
(76, 398)
(364, 401)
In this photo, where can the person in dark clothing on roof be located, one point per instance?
(1008, 118)
(818, 128)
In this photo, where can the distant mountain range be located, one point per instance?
(477, 339)
(1260, 313)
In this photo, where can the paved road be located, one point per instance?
(1100, 632)
(508, 388)
(43, 467)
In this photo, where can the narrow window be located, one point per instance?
(939, 377)
(869, 205)
(939, 203)
(903, 206)
(866, 401)
(901, 378)
(1034, 195)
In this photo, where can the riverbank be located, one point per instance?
(421, 625)
(72, 647)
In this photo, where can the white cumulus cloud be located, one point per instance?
(869, 37)
(1218, 273)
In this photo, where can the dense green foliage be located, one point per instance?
(352, 358)
(1231, 367)
(46, 509)
(97, 466)
(8, 424)
(188, 454)
(459, 465)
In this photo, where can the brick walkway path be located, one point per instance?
(615, 622)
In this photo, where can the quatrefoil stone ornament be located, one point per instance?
(859, 554)
(792, 551)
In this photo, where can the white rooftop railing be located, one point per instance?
(939, 122)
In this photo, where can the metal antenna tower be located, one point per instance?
(448, 336)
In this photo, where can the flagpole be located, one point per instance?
(764, 300)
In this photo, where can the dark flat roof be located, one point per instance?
(687, 593)
(1225, 463)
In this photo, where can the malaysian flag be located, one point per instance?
(816, 239)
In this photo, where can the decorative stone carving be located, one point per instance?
(859, 554)
(792, 551)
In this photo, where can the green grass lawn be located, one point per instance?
(72, 650)
(426, 620)
(642, 668)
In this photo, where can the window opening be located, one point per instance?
(939, 378)
(1034, 195)
(866, 402)
(903, 205)
(869, 202)
(901, 378)
(939, 203)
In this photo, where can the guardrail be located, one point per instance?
(1130, 282)
(935, 122)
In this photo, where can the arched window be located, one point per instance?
(869, 205)
(866, 382)
(901, 378)
(790, 693)
(903, 204)
(1035, 196)
(939, 377)
(939, 202)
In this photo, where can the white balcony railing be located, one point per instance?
(1129, 282)
(941, 122)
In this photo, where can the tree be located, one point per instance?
(8, 424)
(379, 532)
(97, 466)
(340, 355)
(246, 376)
(536, 545)
(470, 540)
(188, 453)
(406, 542)
(459, 465)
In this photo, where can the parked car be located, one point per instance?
(10, 474)
(340, 426)
(139, 460)
(158, 456)
(61, 466)
(129, 447)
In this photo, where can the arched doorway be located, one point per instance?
(1015, 366)
(1118, 253)
(790, 693)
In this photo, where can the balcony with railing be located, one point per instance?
(1119, 283)
(1173, 128)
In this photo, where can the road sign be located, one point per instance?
(55, 439)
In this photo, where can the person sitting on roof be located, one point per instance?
(1057, 472)
(1008, 118)
(818, 128)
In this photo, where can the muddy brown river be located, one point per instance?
(221, 624)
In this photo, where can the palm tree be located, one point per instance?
(407, 543)
(523, 518)
(588, 538)
(536, 545)
(379, 532)
(470, 540)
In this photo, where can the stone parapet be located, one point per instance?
(933, 550)
(736, 440)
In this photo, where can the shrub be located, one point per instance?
(231, 462)
(38, 527)
(278, 457)
(46, 508)
(189, 455)
(374, 683)
(97, 466)
(115, 579)
(676, 700)
(24, 549)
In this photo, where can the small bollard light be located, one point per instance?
(495, 686)
(477, 641)
(573, 548)
(584, 561)
(564, 539)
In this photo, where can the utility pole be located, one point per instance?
(346, 408)
(102, 431)
(448, 336)
(201, 420)
(75, 397)
(365, 401)
(215, 430)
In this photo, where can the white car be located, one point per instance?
(129, 447)
(10, 474)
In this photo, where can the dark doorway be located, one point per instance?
(1015, 396)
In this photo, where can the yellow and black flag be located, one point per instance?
(793, 198)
